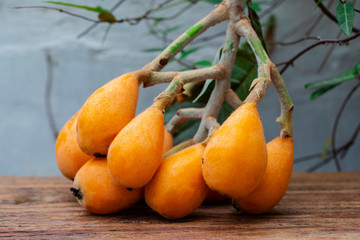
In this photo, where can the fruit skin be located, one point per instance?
(106, 112)
(168, 141)
(273, 186)
(178, 187)
(235, 157)
(68, 154)
(96, 191)
(136, 152)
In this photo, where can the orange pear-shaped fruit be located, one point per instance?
(136, 152)
(235, 157)
(273, 185)
(168, 141)
(178, 187)
(106, 112)
(69, 157)
(97, 193)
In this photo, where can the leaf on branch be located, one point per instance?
(153, 50)
(345, 76)
(205, 63)
(357, 66)
(255, 23)
(185, 53)
(92, 9)
(213, 1)
(169, 30)
(345, 17)
(320, 91)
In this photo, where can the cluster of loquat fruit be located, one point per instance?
(116, 159)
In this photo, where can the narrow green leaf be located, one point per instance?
(185, 53)
(202, 63)
(169, 30)
(357, 66)
(92, 9)
(345, 17)
(256, 7)
(244, 89)
(345, 76)
(153, 50)
(206, 88)
(320, 91)
(212, 1)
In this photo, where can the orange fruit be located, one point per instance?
(97, 193)
(69, 157)
(273, 185)
(168, 141)
(178, 187)
(136, 152)
(106, 112)
(235, 157)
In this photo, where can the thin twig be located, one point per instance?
(333, 137)
(62, 11)
(327, 56)
(320, 42)
(296, 41)
(92, 26)
(47, 96)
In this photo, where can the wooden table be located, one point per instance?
(317, 205)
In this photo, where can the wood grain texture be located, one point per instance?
(316, 206)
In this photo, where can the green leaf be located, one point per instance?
(244, 88)
(169, 30)
(357, 66)
(255, 23)
(208, 86)
(345, 17)
(202, 63)
(153, 50)
(185, 53)
(92, 9)
(320, 91)
(345, 76)
(212, 1)
(107, 17)
(326, 148)
(256, 7)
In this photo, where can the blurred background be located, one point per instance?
(49, 66)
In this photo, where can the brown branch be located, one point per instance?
(320, 42)
(333, 137)
(92, 26)
(296, 41)
(47, 97)
(327, 56)
(62, 11)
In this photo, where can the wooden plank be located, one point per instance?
(316, 206)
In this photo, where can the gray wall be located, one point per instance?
(83, 65)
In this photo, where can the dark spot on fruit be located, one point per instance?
(129, 189)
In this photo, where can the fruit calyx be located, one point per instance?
(77, 193)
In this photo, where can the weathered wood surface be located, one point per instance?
(317, 205)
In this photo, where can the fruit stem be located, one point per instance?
(179, 147)
(232, 99)
(179, 80)
(219, 14)
(267, 73)
(218, 94)
(183, 115)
